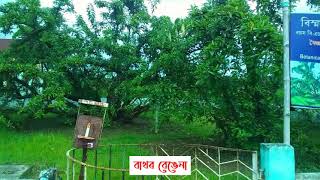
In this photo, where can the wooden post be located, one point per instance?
(84, 159)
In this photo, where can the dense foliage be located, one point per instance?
(219, 67)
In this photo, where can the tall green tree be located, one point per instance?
(30, 76)
(112, 49)
(223, 63)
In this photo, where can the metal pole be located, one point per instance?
(68, 167)
(73, 165)
(110, 158)
(255, 171)
(286, 73)
(196, 164)
(238, 169)
(123, 161)
(85, 173)
(95, 164)
(219, 163)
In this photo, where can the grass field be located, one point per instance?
(47, 148)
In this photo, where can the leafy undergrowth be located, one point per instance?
(306, 142)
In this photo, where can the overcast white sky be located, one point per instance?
(172, 8)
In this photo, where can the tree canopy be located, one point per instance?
(219, 65)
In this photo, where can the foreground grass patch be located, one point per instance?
(42, 149)
(38, 149)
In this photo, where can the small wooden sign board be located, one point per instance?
(87, 132)
(95, 103)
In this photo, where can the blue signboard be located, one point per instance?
(305, 60)
(305, 37)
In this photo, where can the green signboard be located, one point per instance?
(305, 84)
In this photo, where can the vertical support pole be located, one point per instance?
(110, 148)
(73, 165)
(85, 172)
(195, 162)
(68, 164)
(255, 172)
(156, 146)
(105, 164)
(238, 169)
(83, 169)
(123, 161)
(95, 163)
(55, 173)
(219, 161)
(286, 73)
(140, 154)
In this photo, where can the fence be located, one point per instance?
(208, 162)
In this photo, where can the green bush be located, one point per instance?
(198, 127)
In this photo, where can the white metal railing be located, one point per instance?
(208, 162)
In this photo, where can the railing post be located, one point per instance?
(110, 153)
(73, 164)
(238, 169)
(255, 172)
(156, 146)
(85, 173)
(195, 161)
(95, 163)
(219, 165)
(68, 164)
(123, 161)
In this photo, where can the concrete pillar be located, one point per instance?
(277, 161)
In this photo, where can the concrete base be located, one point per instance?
(277, 161)
(12, 171)
(307, 176)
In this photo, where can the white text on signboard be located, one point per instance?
(160, 165)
